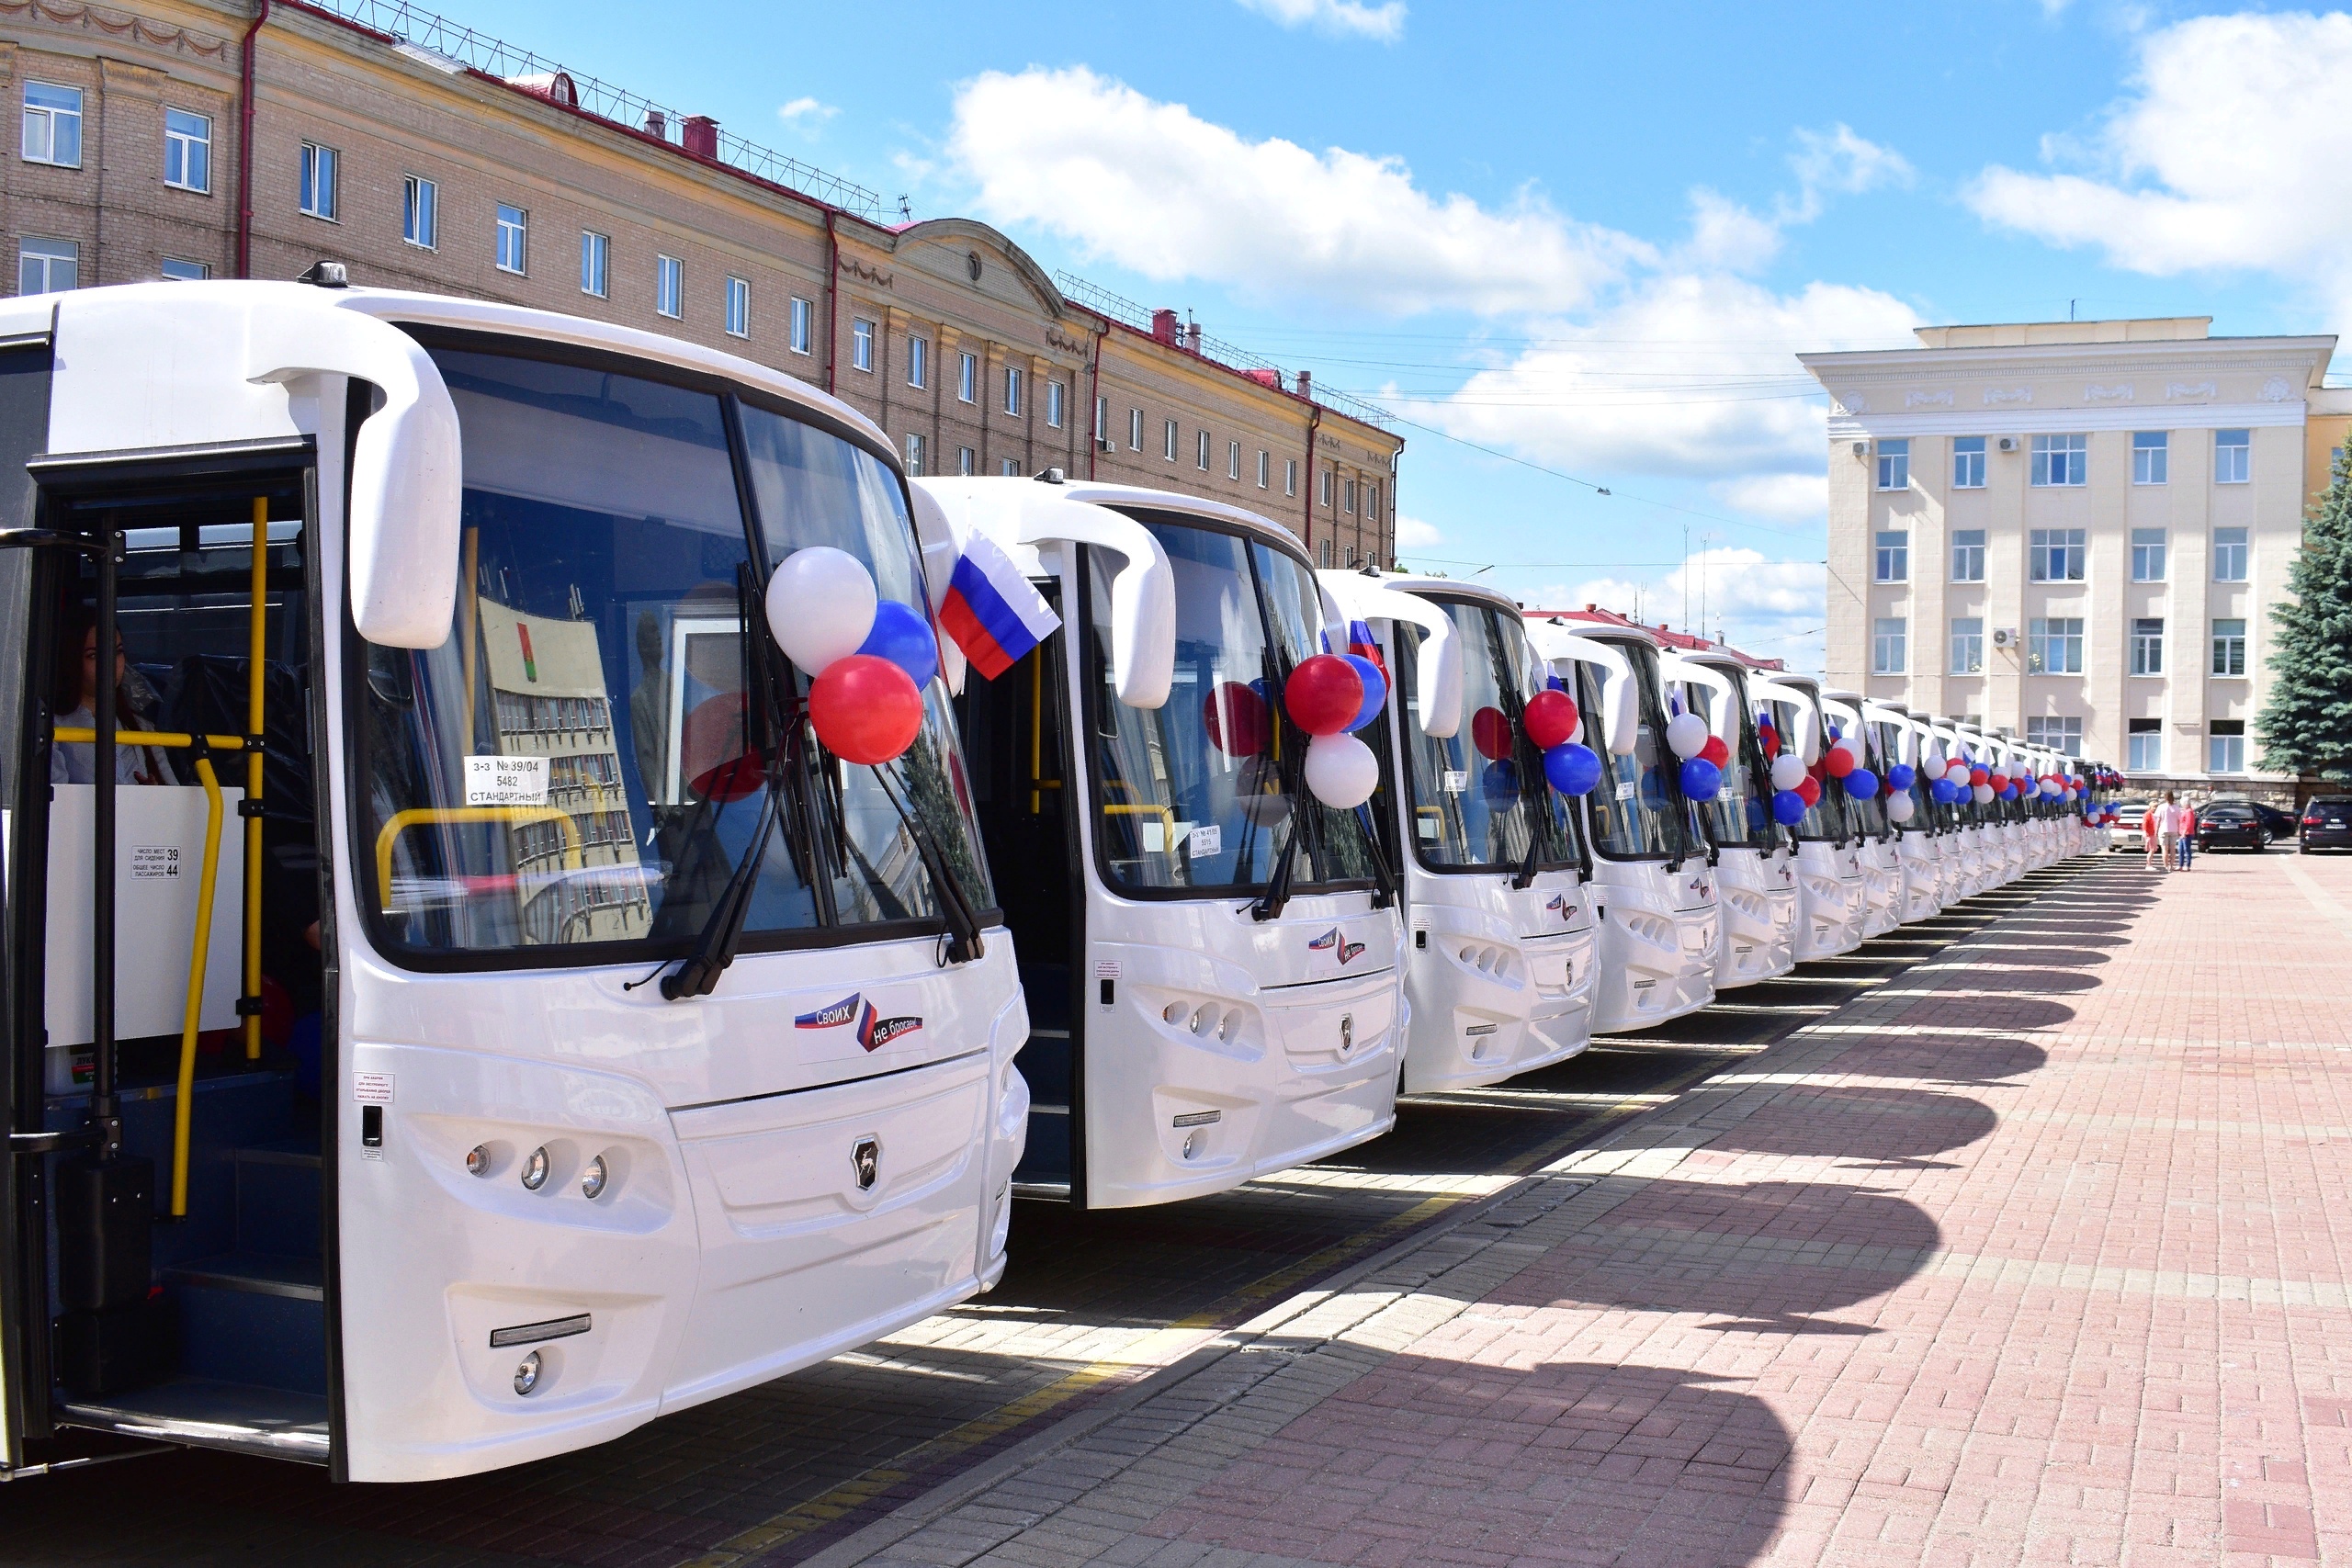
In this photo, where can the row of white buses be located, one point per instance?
(549, 881)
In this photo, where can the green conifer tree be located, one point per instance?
(2306, 724)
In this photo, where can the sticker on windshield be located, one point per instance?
(506, 781)
(1456, 780)
(1625, 789)
(1205, 841)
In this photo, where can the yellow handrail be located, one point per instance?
(197, 953)
(516, 815)
(166, 739)
(1167, 817)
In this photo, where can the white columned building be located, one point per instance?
(2071, 530)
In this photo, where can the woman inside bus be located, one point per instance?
(74, 697)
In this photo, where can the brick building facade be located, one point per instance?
(390, 149)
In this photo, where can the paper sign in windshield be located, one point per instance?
(506, 781)
(1205, 841)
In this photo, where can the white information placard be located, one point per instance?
(506, 781)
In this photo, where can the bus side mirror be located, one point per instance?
(406, 465)
(1143, 592)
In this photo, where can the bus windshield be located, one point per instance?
(578, 763)
(1475, 793)
(1638, 811)
(1889, 740)
(1868, 813)
(1203, 792)
(1741, 816)
(1824, 821)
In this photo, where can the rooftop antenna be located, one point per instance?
(2070, 309)
(905, 208)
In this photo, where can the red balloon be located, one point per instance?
(1239, 723)
(1809, 790)
(1490, 732)
(1978, 776)
(1551, 719)
(1716, 751)
(1324, 695)
(1838, 762)
(865, 709)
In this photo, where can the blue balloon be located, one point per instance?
(1756, 815)
(1943, 792)
(1788, 807)
(1375, 689)
(901, 635)
(1861, 783)
(1500, 782)
(1902, 776)
(1572, 769)
(1653, 787)
(2009, 792)
(1702, 780)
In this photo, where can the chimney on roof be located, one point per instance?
(657, 125)
(700, 136)
(1307, 383)
(1266, 378)
(1164, 327)
(1590, 609)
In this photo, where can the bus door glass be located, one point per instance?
(1475, 794)
(1740, 817)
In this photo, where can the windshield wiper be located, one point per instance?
(1384, 875)
(1269, 904)
(964, 944)
(723, 932)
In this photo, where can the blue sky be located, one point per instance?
(1589, 237)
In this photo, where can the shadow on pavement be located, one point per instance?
(1962, 1060)
(1891, 1128)
(1425, 1461)
(1995, 1013)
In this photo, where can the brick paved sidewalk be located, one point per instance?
(2036, 1254)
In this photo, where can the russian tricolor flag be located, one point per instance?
(990, 610)
(1362, 644)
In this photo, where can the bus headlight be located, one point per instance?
(592, 1180)
(535, 1176)
(477, 1160)
(526, 1376)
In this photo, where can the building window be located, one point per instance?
(595, 264)
(1233, 460)
(1009, 468)
(1323, 488)
(1968, 462)
(1894, 465)
(918, 362)
(2151, 457)
(48, 266)
(967, 378)
(2148, 645)
(2232, 449)
(1135, 430)
(2060, 459)
(177, 271)
(2225, 746)
(1201, 451)
(2063, 735)
(2055, 555)
(1323, 556)
(2144, 747)
(2055, 647)
(914, 456)
(1168, 441)
(1054, 392)
(1372, 499)
(861, 344)
(187, 151)
(1968, 646)
(2228, 647)
(967, 460)
(1968, 555)
(2148, 554)
(739, 307)
(1290, 475)
(1886, 644)
(1265, 467)
(2229, 555)
(513, 239)
(53, 125)
(669, 287)
(804, 324)
(1894, 559)
(421, 212)
(1012, 391)
(318, 182)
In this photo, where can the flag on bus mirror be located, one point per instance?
(991, 612)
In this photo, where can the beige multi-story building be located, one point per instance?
(236, 138)
(2074, 530)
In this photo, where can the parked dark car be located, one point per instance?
(2281, 824)
(2328, 824)
(2231, 823)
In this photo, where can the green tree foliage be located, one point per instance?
(2306, 724)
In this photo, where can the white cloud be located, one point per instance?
(1685, 374)
(1752, 599)
(2231, 154)
(1412, 533)
(806, 115)
(1172, 195)
(1782, 498)
(1725, 236)
(1384, 22)
(1837, 163)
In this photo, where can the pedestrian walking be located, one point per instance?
(2185, 844)
(2152, 825)
(2162, 829)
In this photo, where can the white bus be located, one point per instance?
(1831, 891)
(1213, 957)
(1920, 894)
(1653, 893)
(1881, 870)
(1756, 877)
(1495, 866)
(577, 1037)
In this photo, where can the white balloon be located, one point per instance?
(1342, 771)
(1787, 771)
(1899, 808)
(1982, 792)
(1957, 773)
(821, 605)
(1686, 735)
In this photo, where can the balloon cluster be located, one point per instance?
(1843, 761)
(1551, 721)
(1329, 695)
(868, 657)
(1703, 756)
